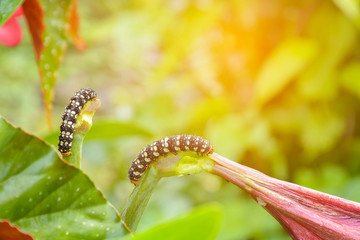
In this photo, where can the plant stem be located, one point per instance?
(174, 165)
(76, 150)
(139, 198)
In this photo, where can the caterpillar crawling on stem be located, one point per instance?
(72, 110)
(163, 147)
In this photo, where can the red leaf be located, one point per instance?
(304, 213)
(49, 27)
(34, 17)
(9, 232)
(74, 28)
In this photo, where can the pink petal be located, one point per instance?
(304, 213)
(10, 33)
(18, 12)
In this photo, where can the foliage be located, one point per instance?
(48, 197)
(7, 9)
(51, 26)
(202, 223)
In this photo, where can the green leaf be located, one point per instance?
(105, 129)
(320, 80)
(7, 7)
(350, 78)
(202, 223)
(55, 41)
(314, 125)
(286, 62)
(351, 8)
(139, 199)
(47, 197)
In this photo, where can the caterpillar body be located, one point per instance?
(163, 147)
(72, 110)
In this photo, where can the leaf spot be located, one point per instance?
(48, 74)
(54, 52)
(47, 40)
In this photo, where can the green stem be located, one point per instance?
(76, 149)
(185, 163)
(139, 198)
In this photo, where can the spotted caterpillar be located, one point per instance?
(72, 110)
(163, 147)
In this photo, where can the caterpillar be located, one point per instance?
(72, 110)
(163, 147)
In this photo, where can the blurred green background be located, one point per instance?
(274, 85)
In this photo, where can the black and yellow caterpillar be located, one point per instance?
(163, 147)
(72, 110)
